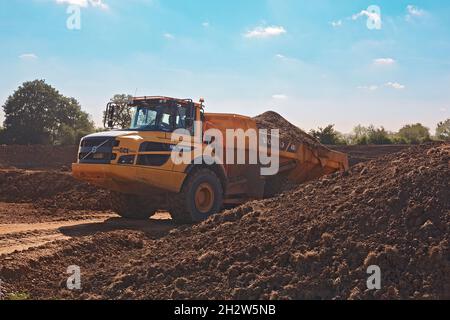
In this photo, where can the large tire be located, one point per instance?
(132, 206)
(201, 197)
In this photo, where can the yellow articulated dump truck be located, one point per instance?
(141, 166)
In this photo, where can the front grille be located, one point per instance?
(97, 150)
(93, 142)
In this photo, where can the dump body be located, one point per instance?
(300, 162)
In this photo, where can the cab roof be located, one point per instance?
(163, 99)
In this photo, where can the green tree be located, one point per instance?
(36, 113)
(2, 136)
(359, 135)
(122, 117)
(414, 133)
(443, 130)
(370, 135)
(328, 135)
(378, 136)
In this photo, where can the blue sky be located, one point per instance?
(315, 62)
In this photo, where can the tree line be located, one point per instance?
(37, 113)
(372, 135)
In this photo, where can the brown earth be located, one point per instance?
(314, 242)
(289, 133)
(50, 190)
(358, 154)
(37, 157)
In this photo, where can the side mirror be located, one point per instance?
(110, 113)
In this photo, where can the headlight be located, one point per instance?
(127, 159)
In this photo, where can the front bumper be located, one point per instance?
(129, 179)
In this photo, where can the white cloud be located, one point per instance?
(443, 109)
(85, 3)
(414, 11)
(384, 61)
(369, 88)
(169, 36)
(375, 17)
(28, 56)
(336, 24)
(265, 32)
(395, 85)
(205, 24)
(280, 96)
(283, 58)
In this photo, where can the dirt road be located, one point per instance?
(17, 237)
(23, 236)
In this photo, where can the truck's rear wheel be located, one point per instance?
(131, 206)
(201, 197)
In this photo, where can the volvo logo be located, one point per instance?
(94, 149)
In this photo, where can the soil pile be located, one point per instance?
(289, 133)
(51, 189)
(37, 156)
(315, 242)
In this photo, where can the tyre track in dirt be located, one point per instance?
(20, 237)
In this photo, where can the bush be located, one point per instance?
(2, 136)
(415, 133)
(378, 136)
(370, 135)
(328, 136)
(443, 130)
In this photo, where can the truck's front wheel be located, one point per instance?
(131, 206)
(201, 197)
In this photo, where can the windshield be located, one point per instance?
(166, 118)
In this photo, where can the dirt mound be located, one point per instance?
(289, 133)
(315, 242)
(37, 156)
(50, 189)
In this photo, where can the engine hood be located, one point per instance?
(112, 134)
